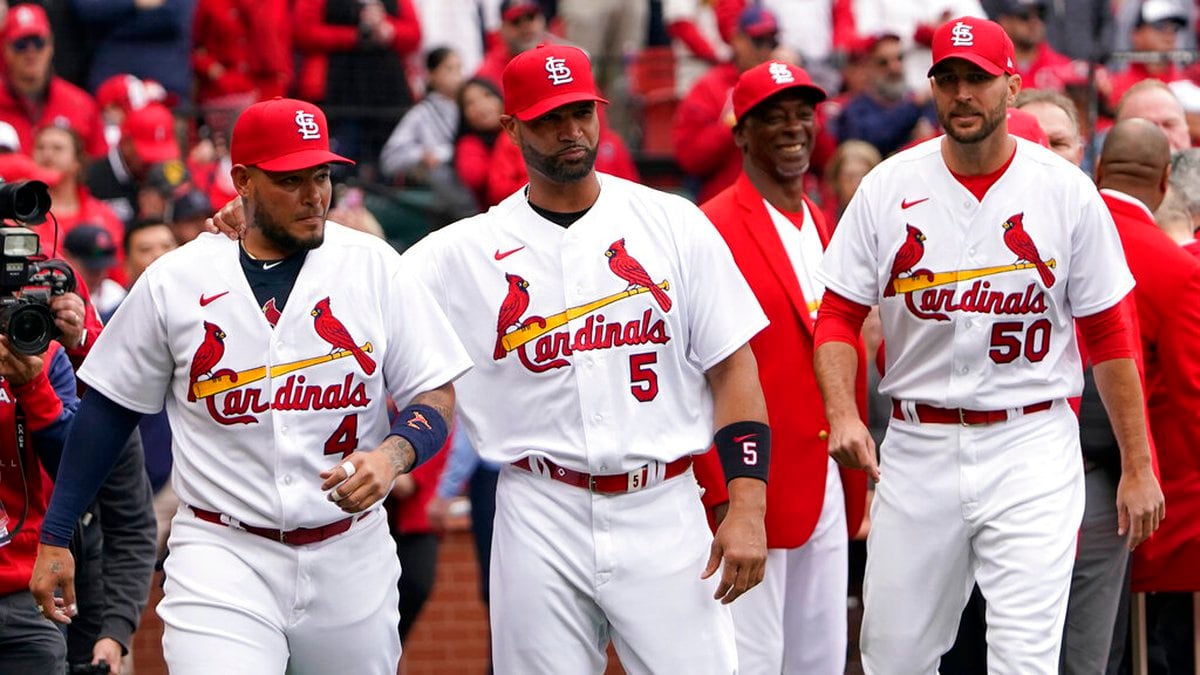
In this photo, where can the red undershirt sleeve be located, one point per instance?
(839, 320)
(1109, 334)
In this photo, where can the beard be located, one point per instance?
(991, 120)
(557, 169)
(281, 238)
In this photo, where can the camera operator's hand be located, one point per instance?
(18, 369)
(69, 314)
(109, 651)
(54, 569)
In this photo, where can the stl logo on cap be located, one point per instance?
(307, 127)
(558, 70)
(780, 73)
(961, 35)
(24, 16)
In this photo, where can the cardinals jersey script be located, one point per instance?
(978, 297)
(590, 342)
(272, 407)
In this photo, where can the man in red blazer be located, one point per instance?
(795, 621)
(1132, 175)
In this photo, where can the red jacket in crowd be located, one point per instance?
(65, 105)
(250, 40)
(703, 132)
(1045, 71)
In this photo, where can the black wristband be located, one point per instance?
(424, 427)
(745, 450)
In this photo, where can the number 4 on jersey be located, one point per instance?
(344, 439)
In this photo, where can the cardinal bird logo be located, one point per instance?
(271, 312)
(1018, 241)
(514, 305)
(625, 266)
(334, 332)
(910, 253)
(207, 355)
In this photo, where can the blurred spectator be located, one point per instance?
(460, 24)
(151, 39)
(845, 170)
(120, 94)
(92, 251)
(32, 96)
(353, 60)
(1152, 100)
(1155, 32)
(147, 138)
(703, 130)
(1127, 14)
(1037, 63)
(164, 182)
(522, 27)
(73, 51)
(914, 21)
(887, 114)
(695, 40)
(145, 242)
(1056, 115)
(1185, 190)
(61, 151)
(424, 138)
(611, 32)
(480, 107)
(813, 30)
(242, 54)
(188, 213)
(1188, 93)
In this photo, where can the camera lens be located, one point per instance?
(26, 201)
(30, 327)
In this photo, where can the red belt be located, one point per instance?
(297, 537)
(928, 414)
(609, 484)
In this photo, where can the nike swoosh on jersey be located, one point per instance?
(904, 203)
(267, 266)
(739, 439)
(502, 256)
(204, 301)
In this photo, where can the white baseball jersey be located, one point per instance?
(978, 298)
(576, 360)
(257, 413)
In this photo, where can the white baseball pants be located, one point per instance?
(795, 620)
(572, 570)
(239, 604)
(998, 504)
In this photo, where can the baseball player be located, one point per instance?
(980, 250)
(275, 358)
(777, 237)
(609, 326)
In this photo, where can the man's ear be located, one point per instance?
(241, 179)
(509, 124)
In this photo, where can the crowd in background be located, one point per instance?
(124, 110)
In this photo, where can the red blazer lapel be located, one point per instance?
(761, 228)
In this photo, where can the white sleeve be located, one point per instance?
(131, 362)
(1099, 277)
(423, 352)
(850, 267)
(723, 313)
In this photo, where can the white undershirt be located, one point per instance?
(804, 250)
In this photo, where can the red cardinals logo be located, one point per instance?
(334, 332)
(271, 312)
(910, 253)
(207, 355)
(417, 421)
(1020, 243)
(514, 305)
(625, 266)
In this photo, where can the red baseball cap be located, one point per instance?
(767, 79)
(982, 42)
(152, 130)
(546, 77)
(129, 92)
(283, 134)
(25, 21)
(1025, 125)
(757, 21)
(511, 10)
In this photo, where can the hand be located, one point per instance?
(69, 315)
(368, 482)
(851, 445)
(229, 221)
(1140, 505)
(383, 33)
(215, 71)
(404, 487)
(109, 651)
(438, 512)
(148, 4)
(18, 369)
(741, 541)
(54, 569)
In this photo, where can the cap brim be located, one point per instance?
(818, 94)
(154, 153)
(970, 57)
(546, 105)
(515, 13)
(19, 33)
(302, 159)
